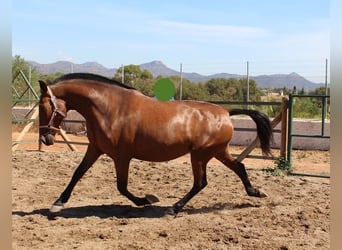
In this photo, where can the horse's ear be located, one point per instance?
(43, 86)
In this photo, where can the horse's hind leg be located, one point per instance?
(89, 158)
(239, 169)
(200, 181)
(122, 166)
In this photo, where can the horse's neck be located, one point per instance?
(83, 99)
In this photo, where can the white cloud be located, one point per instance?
(208, 31)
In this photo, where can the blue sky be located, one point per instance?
(205, 36)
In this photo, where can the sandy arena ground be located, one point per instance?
(295, 215)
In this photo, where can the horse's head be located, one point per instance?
(51, 114)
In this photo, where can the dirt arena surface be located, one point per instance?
(295, 215)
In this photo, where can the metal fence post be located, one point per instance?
(289, 143)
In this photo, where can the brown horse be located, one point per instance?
(124, 124)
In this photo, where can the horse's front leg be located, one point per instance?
(121, 167)
(90, 157)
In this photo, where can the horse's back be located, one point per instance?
(171, 129)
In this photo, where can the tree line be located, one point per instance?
(216, 89)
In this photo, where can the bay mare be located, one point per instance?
(124, 124)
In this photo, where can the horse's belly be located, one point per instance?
(160, 153)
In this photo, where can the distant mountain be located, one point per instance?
(288, 80)
(68, 67)
(158, 68)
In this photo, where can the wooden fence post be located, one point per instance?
(67, 140)
(25, 130)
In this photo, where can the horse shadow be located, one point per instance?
(127, 211)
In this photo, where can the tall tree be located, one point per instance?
(146, 75)
(131, 74)
(19, 89)
(254, 92)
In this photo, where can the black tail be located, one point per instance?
(264, 128)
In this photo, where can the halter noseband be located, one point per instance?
(55, 111)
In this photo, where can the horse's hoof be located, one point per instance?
(256, 193)
(262, 194)
(170, 212)
(151, 198)
(55, 208)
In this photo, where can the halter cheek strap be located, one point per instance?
(55, 111)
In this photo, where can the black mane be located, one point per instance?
(88, 76)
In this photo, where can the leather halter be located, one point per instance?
(54, 113)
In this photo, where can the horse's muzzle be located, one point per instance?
(47, 139)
